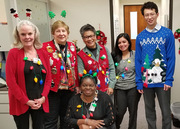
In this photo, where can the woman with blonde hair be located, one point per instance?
(63, 61)
(28, 77)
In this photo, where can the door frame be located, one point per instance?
(112, 19)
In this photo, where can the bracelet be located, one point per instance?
(86, 121)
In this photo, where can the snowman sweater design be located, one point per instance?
(155, 58)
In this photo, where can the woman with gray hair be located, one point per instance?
(29, 77)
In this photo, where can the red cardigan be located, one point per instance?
(16, 81)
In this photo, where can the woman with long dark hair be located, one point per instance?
(126, 95)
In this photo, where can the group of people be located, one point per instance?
(51, 80)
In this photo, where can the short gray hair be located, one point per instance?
(85, 28)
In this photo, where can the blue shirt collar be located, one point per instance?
(155, 29)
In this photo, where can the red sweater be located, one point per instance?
(57, 63)
(16, 81)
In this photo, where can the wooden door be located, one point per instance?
(141, 24)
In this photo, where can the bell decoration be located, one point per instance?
(89, 55)
(100, 36)
(177, 36)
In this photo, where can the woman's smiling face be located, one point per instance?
(88, 87)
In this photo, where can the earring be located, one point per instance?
(96, 92)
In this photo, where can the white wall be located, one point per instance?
(81, 12)
(175, 92)
(116, 18)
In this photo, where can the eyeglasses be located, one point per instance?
(87, 37)
(149, 15)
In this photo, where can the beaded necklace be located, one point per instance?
(37, 61)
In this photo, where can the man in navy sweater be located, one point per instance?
(155, 64)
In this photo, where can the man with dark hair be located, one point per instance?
(155, 64)
(96, 59)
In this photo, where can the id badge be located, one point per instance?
(92, 108)
(35, 60)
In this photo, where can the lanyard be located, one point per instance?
(64, 57)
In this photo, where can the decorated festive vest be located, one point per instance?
(63, 73)
(101, 67)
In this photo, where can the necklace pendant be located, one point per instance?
(68, 55)
(91, 114)
(83, 116)
(84, 71)
(60, 56)
(68, 71)
(126, 68)
(129, 61)
(35, 60)
(31, 68)
(39, 62)
(43, 71)
(123, 75)
(62, 67)
(116, 64)
(35, 79)
(25, 58)
(41, 82)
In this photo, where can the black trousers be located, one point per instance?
(58, 103)
(126, 99)
(22, 121)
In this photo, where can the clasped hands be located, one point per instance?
(36, 103)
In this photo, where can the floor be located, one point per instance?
(141, 121)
